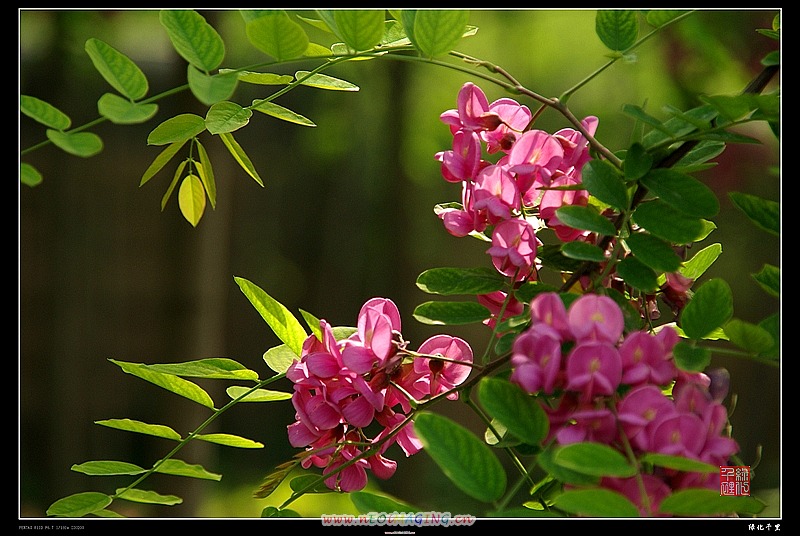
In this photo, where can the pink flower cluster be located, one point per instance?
(501, 196)
(342, 386)
(611, 389)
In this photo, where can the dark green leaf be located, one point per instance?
(583, 251)
(669, 223)
(637, 162)
(585, 218)
(637, 274)
(367, 502)
(594, 459)
(769, 277)
(749, 337)
(764, 213)
(462, 457)
(596, 503)
(84, 144)
(710, 307)
(691, 358)
(569, 476)
(659, 17)
(450, 313)
(603, 181)
(309, 484)
(519, 412)
(450, 281)
(617, 29)
(654, 252)
(683, 192)
(708, 502)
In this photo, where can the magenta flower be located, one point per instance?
(588, 424)
(461, 222)
(534, 158)
(444, 375)
(593, 368)
(514, 117)
(682, 434)
(464, 160)
(514, 246)
(640, 410)
(576, 147)
(536, 359)
(496, 193)
(553, 200)
(548, 308)
(645, 361)
(472, 111)
(596, 317)
(373, 344)
(494, 302)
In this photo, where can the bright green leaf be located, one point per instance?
(769, 277)
(437, 32)
(177, 385)
(264, 79)
(659, 17)
(279, 358)
(682, 192)
(701, 261)
(450, 313)
(603, 181)
(230, 440)
(462, 457)
(210, 89)
(366, 502)
(616, 28)
(29, 175)
(172, 466)
(174, 182)
(117, 69)
(147, 497)
(193, 38)
(654, 252)
(83, 144)
(747, 336)
(129, 425)
(710, 307)
(240, 156)
(596, 503)
(594, 459)
(107, 468)
(206, 173)
(161, 160)
(275, 110)
(44, 113)
(124, 112)
(180, 128)
(276, 35)
(226, 117)
(79, 504)
(679, 463)
(569, 476)
(519, 412)
(360, 29)
(450, 281)
(764, 213)
(323, 81)
(259, 395)
(278, 317)
(192, 199)
(211, 367)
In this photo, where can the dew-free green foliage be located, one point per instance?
(644, 194)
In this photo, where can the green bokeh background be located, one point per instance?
(346, 214)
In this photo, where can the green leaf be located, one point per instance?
(596, 503)
(172, 466)
(360, 29)
(749, 337)
(450, 313)
(177, 385)
(107, 468)
(309, 484)
(602, 180)
(279, 358)
(259, 395)
(691, 358)
(668, 222)
(83, 144)
(366, 502)
(654, 252)
(638, 113)
(175, 178)
(192, 199)
(206, 173)
(212, 367)
(44, 113)
(583, 251)
(679, 463)
(740, 107)
(547, 460)
(637, 162)
(518, 411)
(210, 89)
(617, 29)
(230, 440)
(710, 307)
(708, 502)
(124, 112)
(193, 38)
(769, 277)
(437, 32)
(264, 79)
(147, 497)
(278, 317)
(585, 218)
(129, 425)
(29, 175)
(272, 511)
(276, 35)
(637, 274)
(449, 281)
(462, 457)
(226, 117)
(180, 128)
(701, 261)
(313, 323)
(659, 17)
(682, 192)
(117, 69)
(762, 212)
(240, 156)
(284, 114)
(161, 160)
(323, 81)
(79, 504)
(594, 459)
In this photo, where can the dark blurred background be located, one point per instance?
(346, 214)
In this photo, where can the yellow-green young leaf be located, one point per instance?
(83, 144)
(279, 358)
(275, 110)
(323, 81)
(230, 441)
(259, 395)
(277, 316)
(226, 117)
(177, 385)
(117, 69)
(360, 29)
(680, 463)
(124, 112)
(210, 89)
(79, 504)
(44, 112)
(130, 425)
(701, 261)
(193, 38)
(192, 199)
(148, 497)
(211, 367)
(264, 79)
(275, 34)
(206, 173)
(176, 467)
(175, 178)
(180, 128)
(161, 160)
(240, 156)
(107, 467)
(29, 175)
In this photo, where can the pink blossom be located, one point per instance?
(515, 118)
(588, 424)
(461, 222)
(464, 160)
(548, 308)
(553, 200)
(534, 158)
(444, 375)
(596, 317)
(536, 359)
(494, 302)
(682, 434)
(640, 410)
(593, 368)
(514, 246)
(472, 111)
(644, 360)
(576, 147)
(496, 193)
